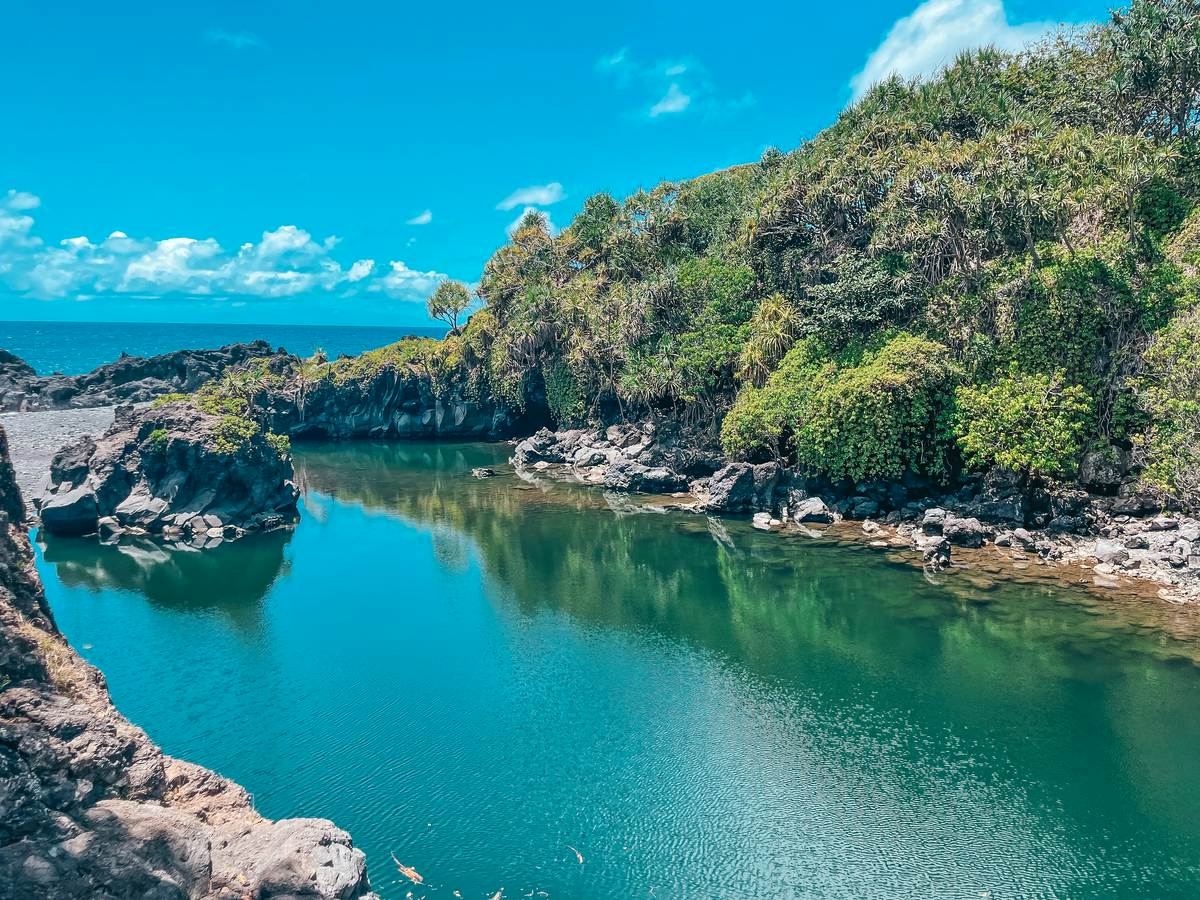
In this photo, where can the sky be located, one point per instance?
(304, 162)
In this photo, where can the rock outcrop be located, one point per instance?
(388, 403)
(131, 379)
(174, 471)
(637, 457)
(91, 808)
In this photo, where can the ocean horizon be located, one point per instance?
(73, 348)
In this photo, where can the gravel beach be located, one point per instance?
(34, 438)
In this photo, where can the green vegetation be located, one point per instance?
(232, 432)
(867, 412)
(157, 440)
(1016, 236)
(1171, 397)
(449, 302)
(1030, 424)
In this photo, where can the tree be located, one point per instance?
(448, 302)
(1156, 45)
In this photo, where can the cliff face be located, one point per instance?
(391, 402)
(90, 807)
(131, 379)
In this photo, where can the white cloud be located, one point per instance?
(284, 262)
(673, 101)
(533, 195)
(19, 200)
(403, 283)
(935, 32)
(669, 86)
(423, 218)
(360, 270)
(238, 40)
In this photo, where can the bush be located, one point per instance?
(564, 397)
(157, 440)
(873, 412)
(280, 443)
(1033, 424)
(231, 433)
(1170, 395)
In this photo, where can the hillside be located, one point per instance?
(993, 268)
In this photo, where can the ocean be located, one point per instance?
(76, 347)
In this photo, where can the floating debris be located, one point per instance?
(408, 871)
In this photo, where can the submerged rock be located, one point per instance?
(173, 470)
(90, 807)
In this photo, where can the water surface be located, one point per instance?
(485, 676)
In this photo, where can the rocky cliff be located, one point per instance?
(391, 401)
(130, 379)
(91, 808)
(174, 470)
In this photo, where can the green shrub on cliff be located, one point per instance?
(231, 433)
(1034, 424)
(1171, 397)
(869, 412)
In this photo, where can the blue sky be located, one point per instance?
(318, 162)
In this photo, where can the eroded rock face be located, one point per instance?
(174, 471)
(91, 808)
(391, 403)
(131, 379)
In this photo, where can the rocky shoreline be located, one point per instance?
(1126, 536)
(90, 807)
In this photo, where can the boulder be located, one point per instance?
(933, 520)
(731, 489)
(71, 512)
(812, 509)
(628, 475)
(1111, 552)
(964, 532)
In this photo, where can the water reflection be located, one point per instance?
(479, 672)
(230, 580)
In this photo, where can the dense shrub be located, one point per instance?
(874, 412)
(1033, 424)
(1171, 398)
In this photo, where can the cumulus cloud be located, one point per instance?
(284, 262)
(401, 282)
(22, 200)
(423, 218)
(669, 87)
(238, 40)
(936, 31)
(533, 195)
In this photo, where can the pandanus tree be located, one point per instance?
(449, 302)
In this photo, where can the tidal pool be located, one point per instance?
(484, 677)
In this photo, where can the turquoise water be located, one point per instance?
(480, 676)
(76, 347)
